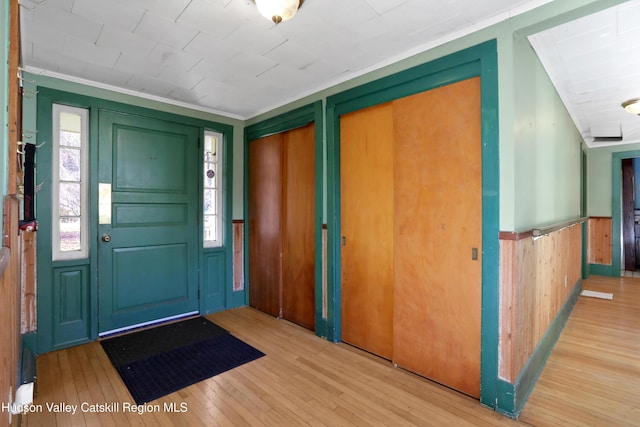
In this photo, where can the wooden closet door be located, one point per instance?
(366, 205)
(265, 224)
(298, 284)
(438, 222)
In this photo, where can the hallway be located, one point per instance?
(592, 377)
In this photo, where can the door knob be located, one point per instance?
(106, 238)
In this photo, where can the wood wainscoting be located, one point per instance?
(537, 277)
(599, 242)
(238, 255)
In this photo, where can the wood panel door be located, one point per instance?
(281, 225)
(438, 234)
(628, 215)
(366, 206)
(147, 257)
(298, 277)
(265, 224)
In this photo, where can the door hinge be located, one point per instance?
(198, 294)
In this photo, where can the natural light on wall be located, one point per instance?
(212, 190)
(70, 183)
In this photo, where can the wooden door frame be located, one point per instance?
(46, 269)
(480, 60)
(293, 119)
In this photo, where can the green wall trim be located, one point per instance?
(603, 270)
(439, 72)
(46, 341)
(480, 60)
(514, 396)
(293, 119)
(616, 206)
(506, 398)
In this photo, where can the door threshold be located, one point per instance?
(137, 326)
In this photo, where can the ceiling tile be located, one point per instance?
(56, 61)
(164, 30)
(135, 64)
(168, 9)
(106, 75)
(248, 39)
(207, 46)
(210, 17)
(89, 52)
(44, 36)
(172, 58)
(106, 13)
(48, 17)
(125, 41)
(292, 54)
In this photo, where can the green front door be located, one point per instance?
(147, 226)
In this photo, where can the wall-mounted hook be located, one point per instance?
(30, 93)
(38, 187)
(41, 144)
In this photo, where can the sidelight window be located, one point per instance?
(212, 189)
(70, 183)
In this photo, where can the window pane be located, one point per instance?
(212, 189)
(70, 139)
(210, 145)
(210, 228)
(69, 164)
(70, 121)
(69, 234)
(69, 185)
(209, 202)
(69, 199)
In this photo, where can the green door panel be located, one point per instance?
(147, 270)
(148, 161)
(213, 288)
(71, 307)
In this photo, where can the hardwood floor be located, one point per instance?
(592, 378)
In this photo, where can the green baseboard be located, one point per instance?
(603, 270)
(512, 397)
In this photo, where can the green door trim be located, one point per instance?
(287, 121)
(480, 60)
(616, 214)
(46, 339)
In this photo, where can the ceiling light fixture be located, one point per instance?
(278, 10)
(632, 106)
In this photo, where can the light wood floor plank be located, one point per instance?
(592, 378)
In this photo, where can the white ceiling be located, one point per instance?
(594, 63)
(222, 56)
